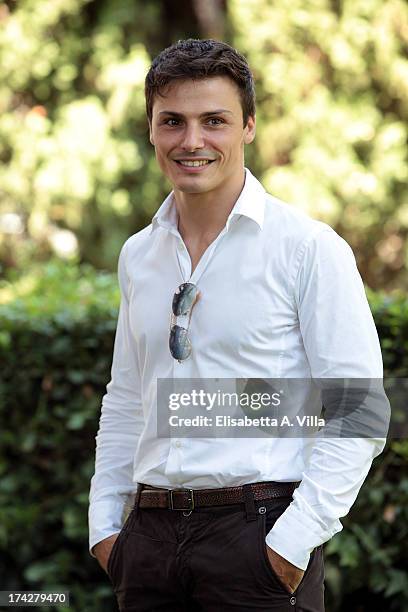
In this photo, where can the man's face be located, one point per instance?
(200, 121)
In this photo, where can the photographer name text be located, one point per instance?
(245, 421)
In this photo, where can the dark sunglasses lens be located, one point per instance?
(184, 299)
(179, 344)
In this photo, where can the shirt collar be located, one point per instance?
(251, 204)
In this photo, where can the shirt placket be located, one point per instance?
(179, 446)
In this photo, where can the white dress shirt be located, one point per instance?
(281, 297)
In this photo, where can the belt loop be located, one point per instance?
(249, 501)
(137, 498)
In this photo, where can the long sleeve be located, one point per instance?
(341, 341)
(120, 425)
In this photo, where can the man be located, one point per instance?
(255, 290)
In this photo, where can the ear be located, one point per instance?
(249, 130)
(150, 133)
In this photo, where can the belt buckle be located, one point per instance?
(190, 499)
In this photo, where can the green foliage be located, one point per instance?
(367, 561)
(79, 168)
(55, 349)
(332, 117)
(388, 312)
(55, 353)
(79, 173)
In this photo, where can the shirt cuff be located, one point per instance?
(296, 534)
(105, 518)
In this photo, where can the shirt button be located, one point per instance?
(292, 600)
(177, 443)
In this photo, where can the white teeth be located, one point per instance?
(194, 163)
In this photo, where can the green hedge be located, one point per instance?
(56, 339)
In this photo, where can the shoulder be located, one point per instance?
(290, 220)
(138, 240)
(287, 224)
(136, 244)
(305, 247)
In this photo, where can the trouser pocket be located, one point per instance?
(267, 518)
(116, 552)
(111, 559)
(309, 594)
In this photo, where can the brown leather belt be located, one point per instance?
(188, 499)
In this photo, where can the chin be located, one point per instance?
(191, 189)
(190, 186)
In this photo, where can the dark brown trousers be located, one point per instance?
(211, 560)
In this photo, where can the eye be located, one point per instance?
(215, 120)
(168, 122)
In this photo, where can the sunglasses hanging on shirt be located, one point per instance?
(183, 301)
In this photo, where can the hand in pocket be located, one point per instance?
(289, 575)
(103, 549)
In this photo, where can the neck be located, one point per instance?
(203, 215)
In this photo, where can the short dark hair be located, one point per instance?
(199, 59)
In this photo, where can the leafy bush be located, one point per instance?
(56, 346)
(57, 329)
(367, 563)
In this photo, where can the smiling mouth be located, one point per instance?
(194, 163)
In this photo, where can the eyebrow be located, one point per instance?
(219, 111)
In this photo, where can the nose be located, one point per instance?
(192, 138)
